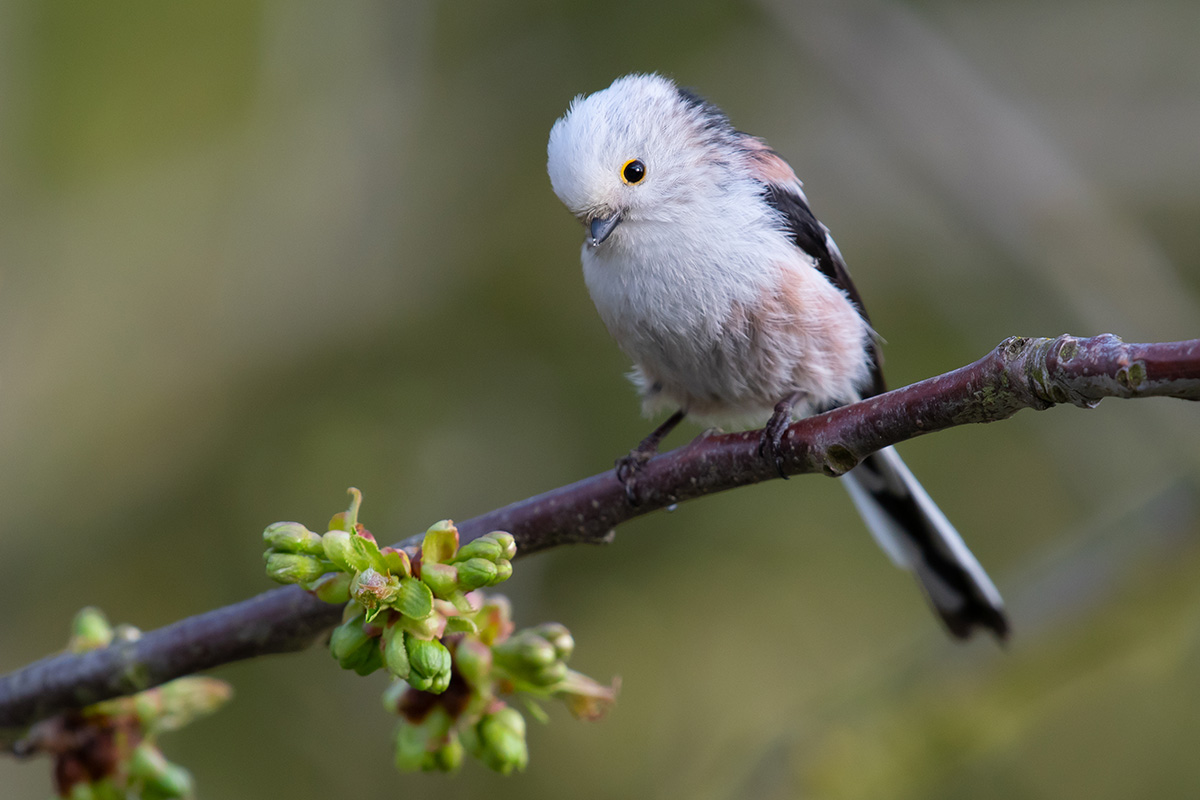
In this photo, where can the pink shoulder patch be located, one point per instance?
(767, 165)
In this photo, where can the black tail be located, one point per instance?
(918, 537)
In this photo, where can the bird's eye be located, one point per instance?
(633, 171)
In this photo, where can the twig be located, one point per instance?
(1020, 373)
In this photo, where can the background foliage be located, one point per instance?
(252, 253)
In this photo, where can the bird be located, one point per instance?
(710, 270)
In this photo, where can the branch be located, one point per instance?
(1020, 373)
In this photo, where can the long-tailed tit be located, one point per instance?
(735, 305)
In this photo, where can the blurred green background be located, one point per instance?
(252, 253)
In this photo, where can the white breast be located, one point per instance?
(725, 320)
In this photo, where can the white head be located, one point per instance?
(638, 152)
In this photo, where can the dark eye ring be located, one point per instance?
(633, 171)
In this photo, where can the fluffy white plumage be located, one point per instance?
(699, 284)
(711, 273)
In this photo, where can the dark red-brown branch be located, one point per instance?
(1020, 373)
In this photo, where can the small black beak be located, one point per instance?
(601, 228)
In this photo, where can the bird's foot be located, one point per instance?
(771, 441)
(630, 466)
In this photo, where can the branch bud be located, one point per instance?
(440, 544)
(473, 659)
(429, 663)
(482, 547)
(508, 545)
(441, 578)
(397, 561)
(501, 742)
(557, 635)
(353, 648)
(294, 567)
(89, 630)
(292, 537)
(372, 589)
(475, 573)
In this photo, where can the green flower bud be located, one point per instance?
(413, 599)
(147, 762)
(480, 548)
(473, 659)
(549, 675)
(432, 627)
(448, 757)
(81, 791)
(417, 743)
(503, 571)
(106, 789)
(175, 783)
(556, 634)
(341, 552)
(525, 651)
(292, 537)
(410, 747)
(295, 568)
(502, 741)
(494, 619)
(475, 573)
(89, 630)
(440, 544)
(506, 541)
(350, 645)
(429, 663)
(397, 561)
(332, 587)
(441, 578)
(174, 704)
(373, 661)
(395, 653)
(372, 589)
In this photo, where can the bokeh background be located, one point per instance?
(252, 253)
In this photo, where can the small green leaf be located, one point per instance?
(355, 505)
(440, 544)
(461, 625)
(339, 549)
(414, 599)
(367, 550)
(397, 561)
(395, 653)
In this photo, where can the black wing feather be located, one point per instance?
(812, 237)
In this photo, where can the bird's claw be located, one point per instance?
(770, 444)
(628, 468)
